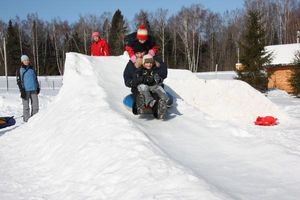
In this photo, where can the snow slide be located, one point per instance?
(87, 145)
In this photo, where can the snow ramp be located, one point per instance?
(81, 148)
(86, 145)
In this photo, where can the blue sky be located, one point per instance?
(71, 9)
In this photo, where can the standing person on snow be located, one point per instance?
(132, 78)
(99, 46)
(141, 38)
(29, 87)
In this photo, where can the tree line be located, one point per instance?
(194, 38)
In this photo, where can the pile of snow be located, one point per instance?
(223, 75)
(227, 100)
(79, 148)
(86, 145)
(278, 93)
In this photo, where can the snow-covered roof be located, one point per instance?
(283, 54)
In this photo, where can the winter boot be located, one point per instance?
(140, 103)
(134, 109)
(161, 109)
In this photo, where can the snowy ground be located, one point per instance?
(84, 144)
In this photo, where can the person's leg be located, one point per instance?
(162, 94)
(138, 100)
(145, 91)
(25, 103)
(34, 103)
(160, 108)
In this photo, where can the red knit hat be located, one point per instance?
(95, 34)
(142, 33)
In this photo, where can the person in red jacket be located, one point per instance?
(99, 46)
(140, 38)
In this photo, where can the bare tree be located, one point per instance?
(213, 29)
(3, 28)
(229, 36)
(60, 35)
(172, 24)
(191, 20)
(159, 27)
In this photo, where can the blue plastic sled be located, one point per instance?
(7, 121)
(128, 101)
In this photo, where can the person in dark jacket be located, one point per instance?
(135, 75)
(99, 46)
(29, 88)
(140, 38)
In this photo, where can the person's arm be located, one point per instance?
(129, 40)
(162, 69)
(19, 81)
(132, 76)
(105, 48)
(129, 50)
(128, 74)
(20, 84)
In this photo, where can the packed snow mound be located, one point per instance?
(80, 148)
(86, 145)
(278, 93)
(228, 100)
(224, 75)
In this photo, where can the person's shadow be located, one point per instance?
(172, 112)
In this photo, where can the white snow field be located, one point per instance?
(85, 145)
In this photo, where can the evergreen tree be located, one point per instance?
(13, 49)
(295, 78)
(253, 55)
(117, 33)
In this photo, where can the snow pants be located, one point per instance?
(146, 90)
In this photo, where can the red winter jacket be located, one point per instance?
(99, 48)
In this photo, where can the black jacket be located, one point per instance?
(131, 72)
(132, 45)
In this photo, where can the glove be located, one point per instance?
(133, 58)
(151, 52)
(23, 93)
(149, 80)
(38, 90)
(138, 77)
(137, 81)
(157, 79)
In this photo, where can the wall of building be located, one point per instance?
(280, 78)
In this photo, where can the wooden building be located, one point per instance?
(282, 65)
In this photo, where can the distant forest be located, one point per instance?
(194, 38)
